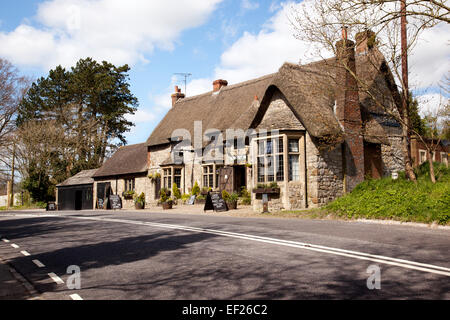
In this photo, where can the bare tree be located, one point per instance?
(12, 89)
(320, 22)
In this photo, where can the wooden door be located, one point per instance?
(226, 179)
(373, 163)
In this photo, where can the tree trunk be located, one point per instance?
(430, 161)
(405, 101)
(407, 151)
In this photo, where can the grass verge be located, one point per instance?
(388, 199)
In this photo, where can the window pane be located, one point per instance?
(211, 181)
(269, 148)
(261, 172)
(280, 168)
(270, 169)
(293, 145)
(294, 172)
(205, 180)
(177, 180)
(177, 172)
(260, 147)
(280, 145)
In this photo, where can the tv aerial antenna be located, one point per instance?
(186, 76)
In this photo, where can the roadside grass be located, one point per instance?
(400, 199)
(39, 205)
(388, 199)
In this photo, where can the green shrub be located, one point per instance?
(225, 195)
(164, 195)
(185, 197)
(233, 197)
(246, 198)
(195, 189)
(399, 199)
(176, 192)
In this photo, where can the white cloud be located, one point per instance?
(254, 55)
(249, 5)
(431, 103)
(114, 30)
(430, 60)
(142, 115)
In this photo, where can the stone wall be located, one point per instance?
(325, 175)
(392, 156)
(142, 184)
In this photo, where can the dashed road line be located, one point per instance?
(5, 240)
(15, 246)
(38, 263)
(75, 297)
(55, 278)
(25, 253)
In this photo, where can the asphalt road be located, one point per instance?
(131, 255)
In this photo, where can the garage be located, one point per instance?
(76, 193)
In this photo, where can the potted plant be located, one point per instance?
(154, 176)
(200, 199)
(272, 188)
(128, 195)
(166, 202)
(139, 201)
(205, 191)
(230, 199)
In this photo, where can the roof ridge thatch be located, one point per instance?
(229, 87)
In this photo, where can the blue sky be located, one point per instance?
(234, 40)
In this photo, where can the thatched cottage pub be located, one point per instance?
(309, 128)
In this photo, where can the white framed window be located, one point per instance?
(130, 184)
(294, 159)
(422, 156)
(210, 176)
(270, 160)
(167, 178)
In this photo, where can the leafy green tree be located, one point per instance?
(88, 104)
(417, 123)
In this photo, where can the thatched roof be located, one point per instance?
(127, 160)
(310, 92)
(222, 110)
(84, 177)
(309, 89)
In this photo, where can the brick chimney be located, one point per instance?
(348, 113)
(177, 96)
(365, 41)
(218, 84)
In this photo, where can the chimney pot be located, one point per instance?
(218, 84)
(177, 96)
(344, 33)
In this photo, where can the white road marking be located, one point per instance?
(38, 263)
(15, 246)
(5, 240)
(306, 246)
(55, 278)
(75, 297)
(25, 253)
